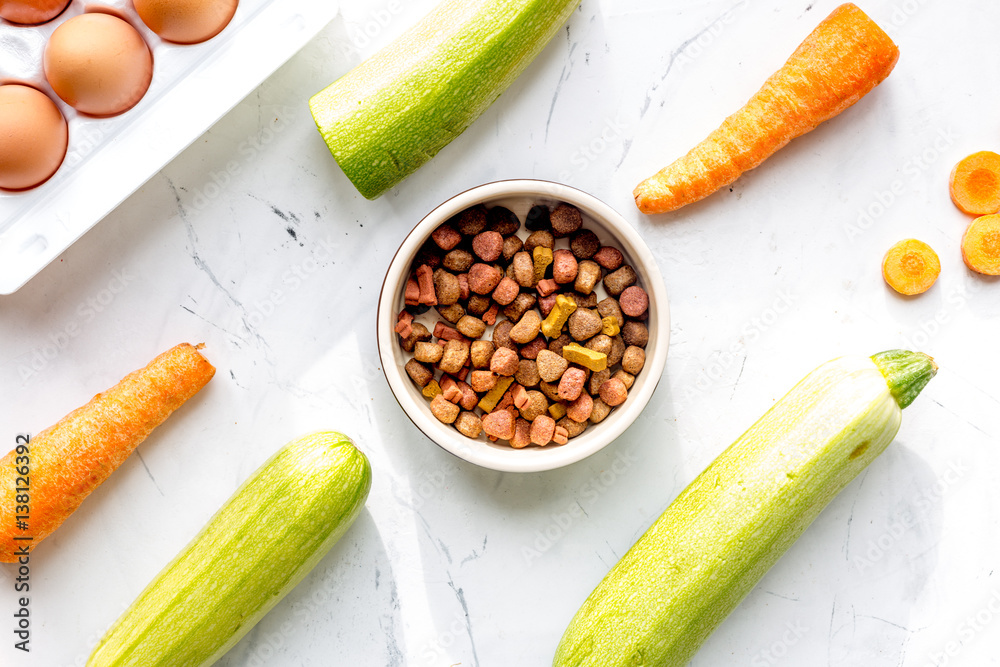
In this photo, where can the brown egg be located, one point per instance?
(31, 12)
(33, 137)
(98, 64)
(186, 21)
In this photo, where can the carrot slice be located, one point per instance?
(911, 267)
(981, 245)
(843, 59)
(72, 458)
(975, 183)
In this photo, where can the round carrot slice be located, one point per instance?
(975, 183)
(911, 267)
(981, 245)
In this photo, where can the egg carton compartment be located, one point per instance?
(107, 159)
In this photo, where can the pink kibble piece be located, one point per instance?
(571, 384)
(634, 301)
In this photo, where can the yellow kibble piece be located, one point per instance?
(557, 410)
(542, 257)
(575, 353)
(554, 323)
(609, 326)
(493, 396)
(432, 389)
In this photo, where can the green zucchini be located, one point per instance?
(731, 524)
(395, 111)
(263, 541)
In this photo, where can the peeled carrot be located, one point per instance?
(845, 57)
(911, 267)
(67, 461)
(981, 245)
(975, 183)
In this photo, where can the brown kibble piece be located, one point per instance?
(551, 366)
(600, 343)
(634, 301)
(541, 238)
(527, 373)
(550, 389)
(469, 424)
(502, 220)
(535, 405)
(609, 258)
(504, 361)
(584, 244)
(635, 333)
(446, 287)
(506, 291)
(613, 392)
(418, 333)
(501, 335)
(608, 307)
(531, 350)
(580, 409)
(452, 313)
(481, 352)
(584, 324)
(420, 374)
(523, 267)
(543, 428)
(428, 353)
(557, 344)
(588, 274)
(471, 327)
(456, 352)
(446, 237)
(566, 219)
(499, 424)
(547, 303)
(524, 302)
(633, 360)
(511, 246)
(458, 260)
(527, 329)
(488, 246)
(429, 254)
(596, 380)
(471, 221)
(444, 410)
(618, 281)
(599, 412)
(571, 384)
(617, 351)
(477, 304)
(484, 278)
(564, 266)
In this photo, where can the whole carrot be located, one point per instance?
(838, 63)
(67, 461)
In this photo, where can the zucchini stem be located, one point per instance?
(906, 373)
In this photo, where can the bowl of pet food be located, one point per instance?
(523, 325)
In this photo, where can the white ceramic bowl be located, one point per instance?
(519, 196)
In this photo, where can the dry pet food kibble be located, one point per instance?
(534, 339)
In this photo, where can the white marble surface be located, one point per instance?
(277, 266)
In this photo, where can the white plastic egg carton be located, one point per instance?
(109, 158)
